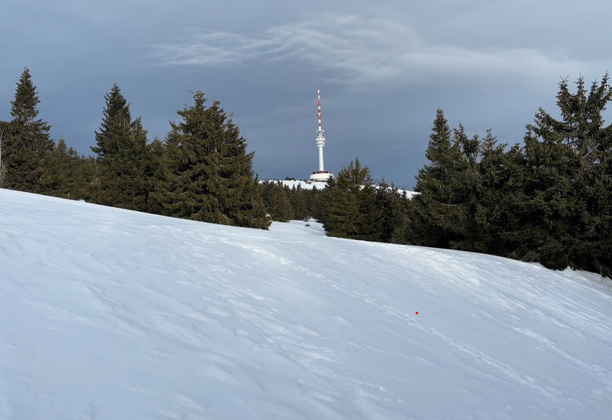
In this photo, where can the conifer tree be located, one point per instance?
(393, 210)
(567, 211)
(64, 166)
(3, 129)
(353, 212)
(322, 200)
(210, 176)
(26, 145)
(121, 149)
(435, 216)
(280, 207)
(154, 173)
(297, 197)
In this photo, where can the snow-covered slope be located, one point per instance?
(111, 314)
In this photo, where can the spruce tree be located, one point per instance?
(210, 176)
(436, 219)
(280, 208)
(3, 129)
(321, 201)
(393, 209)
(353, 212)
(297, 197)
(567, 210)
(64, 165)
(154, 173)
(121, 149)
(26, 144)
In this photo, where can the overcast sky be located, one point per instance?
(384, 67)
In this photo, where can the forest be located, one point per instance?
(545, 199)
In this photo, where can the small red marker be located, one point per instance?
(417, 313)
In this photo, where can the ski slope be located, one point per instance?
(110, 314)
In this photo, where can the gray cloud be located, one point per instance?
(361, 49)
(384, 67)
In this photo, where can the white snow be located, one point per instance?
(112, 314)
(305, 185)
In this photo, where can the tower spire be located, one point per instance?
(319, 106)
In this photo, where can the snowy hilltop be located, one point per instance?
(309, 185)
(113, 314)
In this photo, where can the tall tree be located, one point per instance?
(567, 209)
(26, 144)
(121, 149)
(210, 176)
(435, 217)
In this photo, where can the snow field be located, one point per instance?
(109, 314)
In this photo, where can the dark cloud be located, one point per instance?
(384, 68)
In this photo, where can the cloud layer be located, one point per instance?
(357, 48)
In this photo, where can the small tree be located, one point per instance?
(353, 212)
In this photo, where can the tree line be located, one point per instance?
(201, 171)
(547, 199)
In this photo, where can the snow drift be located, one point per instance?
(113, 314)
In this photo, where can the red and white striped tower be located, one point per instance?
(321, 174)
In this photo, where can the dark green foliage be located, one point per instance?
(322, 201)
(548, 201)
(3, 129)
(566, 210)
(154, 174)
(209, 172)
(65, 163)
(122, 156)
(298, 199)
(26, 145)
(353, 212)
(437, 214)
(276, 200)
(393, 209)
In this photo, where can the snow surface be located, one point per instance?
(112, 314)
(305, 185)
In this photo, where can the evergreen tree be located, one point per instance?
(26, 145)
(321, 201)
(121, 156)
(393, 210)
(210, 176)
(436, 218)
(566, 212)
(297, 196)
(3, 129)
(280, 207)
(353, 212)
(154, 174)
(64, 166)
